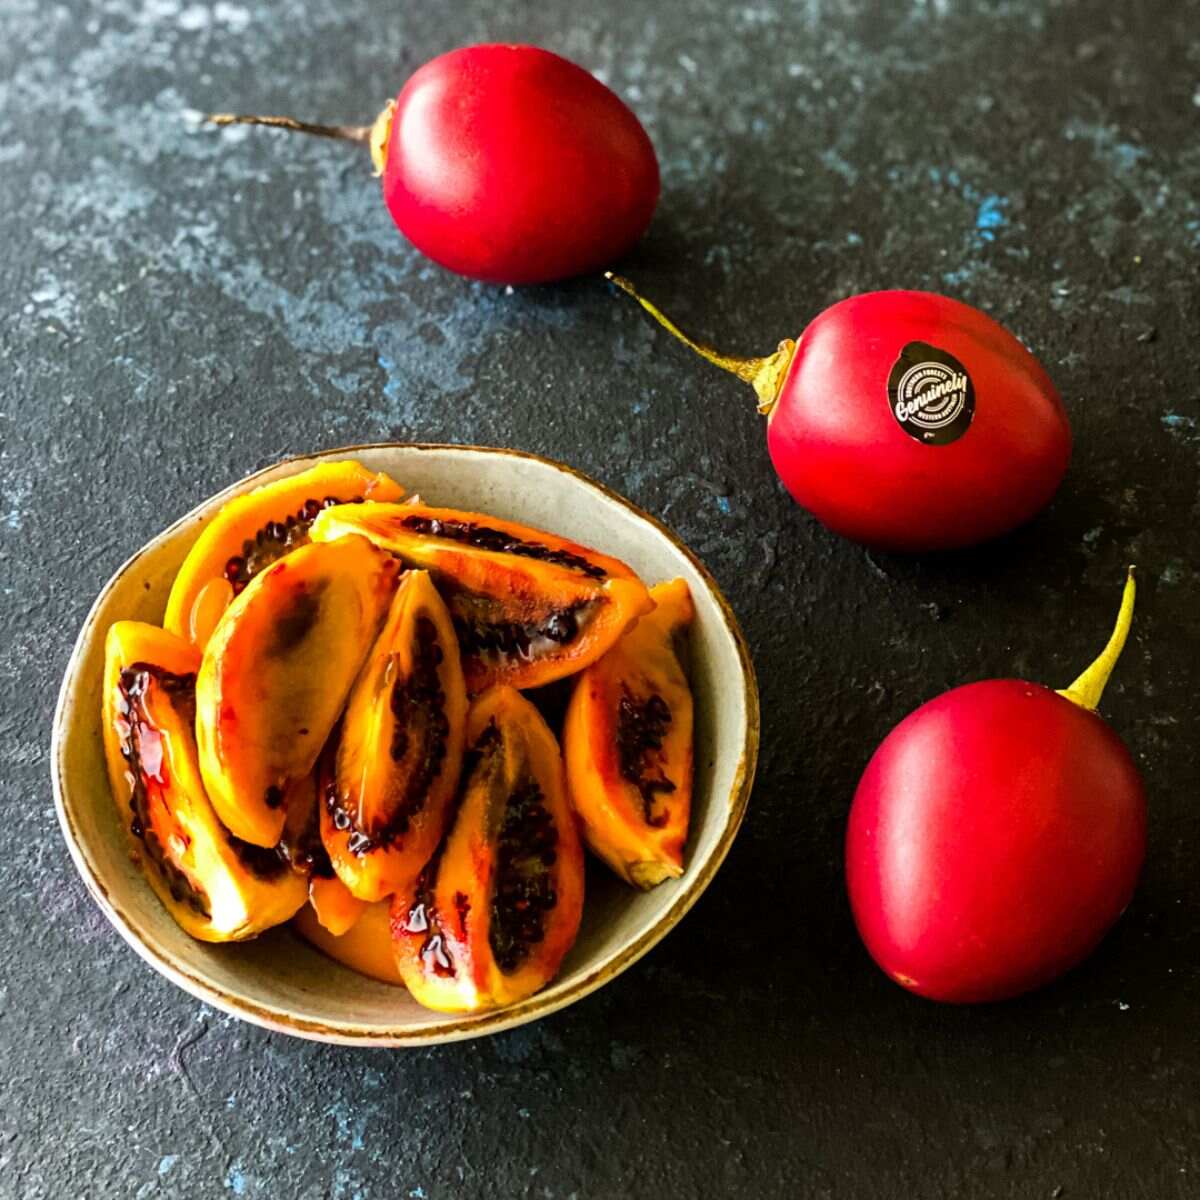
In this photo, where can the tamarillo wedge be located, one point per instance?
(217, 888)
(252, 531)
(336, 907)
(627, 745)
(331, 901)
(276, 673)
(365, 947)
(497, 907)
(400, 750)
(528, 606)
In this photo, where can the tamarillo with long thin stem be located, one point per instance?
(507, 164)
(905, 420)
(996, 835)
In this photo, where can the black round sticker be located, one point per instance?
(930, 394)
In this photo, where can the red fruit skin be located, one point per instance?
(842, 454)
(513, 165)
(996, 835)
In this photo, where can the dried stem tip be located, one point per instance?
(375, 136)
(345, 133)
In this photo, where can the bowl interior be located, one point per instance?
(280, 981)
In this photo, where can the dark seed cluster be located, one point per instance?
(305, 852)
(275, 539)
(267, 862)
(419, 706)
(483, 537)
(136, 739)
(507, 638)
(641, 727)
(524, 892)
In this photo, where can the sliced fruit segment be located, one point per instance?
(366, 947)
(528, 607)
(276, 674)
(217, 888)
(401, 748)
(336, 907)
(627, 741)
(497, 907)
(253, 531)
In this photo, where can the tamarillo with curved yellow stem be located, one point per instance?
(996, 835)
(905, 420)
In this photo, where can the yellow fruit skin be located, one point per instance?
(242, 518)
(276, 673)
(242, 901)
(611, 807)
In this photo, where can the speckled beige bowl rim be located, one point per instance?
(535, 1006)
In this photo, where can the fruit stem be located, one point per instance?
(374, 136)
(765, 375)
(345, 133)
(1089, 687)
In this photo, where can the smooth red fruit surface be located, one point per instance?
(513, 165)
(842, 453)
(995, 836)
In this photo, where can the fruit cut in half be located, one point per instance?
(400, 750)
(252, 531)
(276, 673)
(627, 741)
(498, 905)
(365, 947)
(217, 888)
(528, 607)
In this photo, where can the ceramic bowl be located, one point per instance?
(278, 980)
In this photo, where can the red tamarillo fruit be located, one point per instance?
(508, 164)
(996, 835)
(905, 420)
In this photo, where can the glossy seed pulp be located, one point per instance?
(483, 537)
(275, 539)
(141, 745)
(142, 748)
(524, 888)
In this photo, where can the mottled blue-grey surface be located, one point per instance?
(181, 306)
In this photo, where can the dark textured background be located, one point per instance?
(181, 307)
